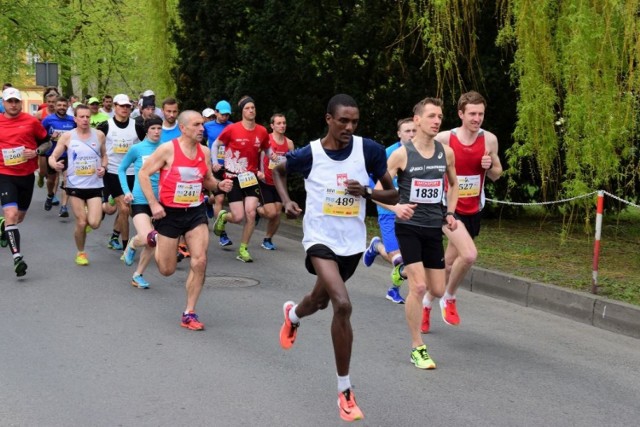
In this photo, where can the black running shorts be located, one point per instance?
(16, 191)
(180, 220)
(346, 264)
(421, 244)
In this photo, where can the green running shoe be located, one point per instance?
(218, 226)
(243, 255)
(396, 275)
(421, 358)
(4, 241)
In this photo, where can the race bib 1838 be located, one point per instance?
(426, 191)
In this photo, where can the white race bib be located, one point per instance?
(276, 162)
(469, 185)
(247, 179)
(187, 193)
(85, 166)
(426, 191)
(13, 156)
(121, 146)
(338, 203)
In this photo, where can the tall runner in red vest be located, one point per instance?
(476, 152)
(185, 169)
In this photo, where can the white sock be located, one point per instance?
(447, 296)
(426, 302)
(397, 259)
(344, 383)
(292, 315)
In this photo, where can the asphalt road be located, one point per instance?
(79, 346)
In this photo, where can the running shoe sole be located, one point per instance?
(20, 268)
(396, 299)
(138, 285)
(193, 326)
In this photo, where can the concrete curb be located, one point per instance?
(614, 316)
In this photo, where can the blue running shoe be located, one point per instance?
(393, 295)
(128, 255)
(138, 281)
(114, 244)
(55, 201)
(268, 245)
(48, 203)
(224, 239)
(209, 207)
(371, 252)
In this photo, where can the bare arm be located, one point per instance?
(104, 160)
(210, 182)
(291, 208)
(443, 137)
(397, 162)
(452, 191)
(268, 152)
(491, 160)
(61, 147)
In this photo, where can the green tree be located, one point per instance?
(101, 46)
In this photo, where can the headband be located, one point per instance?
(245, 101)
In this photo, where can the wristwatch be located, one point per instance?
(368, 192)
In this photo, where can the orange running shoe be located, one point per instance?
(347, 406)
(190, 321)
(184, 251)
(449, 311)
(426, 320)
(288, 330)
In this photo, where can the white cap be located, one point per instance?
(121, 99)
(208, 112)
(11, 93)
(148, 92)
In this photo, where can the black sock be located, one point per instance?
(115, 235)
(13, 235)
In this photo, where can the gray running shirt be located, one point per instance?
(422, 182)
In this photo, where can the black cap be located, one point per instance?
(148, 101)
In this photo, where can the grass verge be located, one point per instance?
(537, 247)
